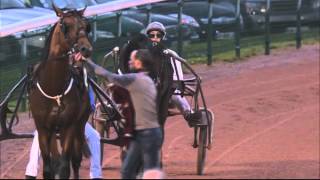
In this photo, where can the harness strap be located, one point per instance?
(85, 77)
(57, 97)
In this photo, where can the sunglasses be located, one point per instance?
(157, 35)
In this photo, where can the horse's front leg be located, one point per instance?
(80, 146)
(76, 156)
(44, 142)
(66, 141)
(64, 167)
(76, 161)
(55, 156)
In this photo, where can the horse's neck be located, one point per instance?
(58, 47)
(55, 73)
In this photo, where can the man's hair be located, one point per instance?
(146, 58)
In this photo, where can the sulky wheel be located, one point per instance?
(202, 141)
(201, 149)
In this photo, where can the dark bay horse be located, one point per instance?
(139, 41)
(59, 102)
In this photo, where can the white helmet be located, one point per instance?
(156, 26)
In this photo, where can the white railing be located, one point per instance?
(90, 11)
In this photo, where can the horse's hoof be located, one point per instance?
(30, 177)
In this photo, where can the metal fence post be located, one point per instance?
(24, 53)
(94, 29)
(237, 31)
(119, 22)
(267, 28)
(209, 33)
(1, 85)
(148, 8)
(180, 39)
(298, 32)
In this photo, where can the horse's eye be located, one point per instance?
(64, 27)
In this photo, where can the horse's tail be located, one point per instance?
(86, 150)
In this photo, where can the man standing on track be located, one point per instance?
(147, 140)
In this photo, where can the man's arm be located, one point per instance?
(120, 80)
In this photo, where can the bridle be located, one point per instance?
(72, 42)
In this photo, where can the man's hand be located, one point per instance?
(78, 57)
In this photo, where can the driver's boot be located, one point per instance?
(193, 118)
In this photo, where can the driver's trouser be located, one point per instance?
(181, 103)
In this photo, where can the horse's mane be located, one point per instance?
(45, 52)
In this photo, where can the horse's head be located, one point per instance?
(73, 30)
(138, 41)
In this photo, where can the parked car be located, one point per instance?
(189, 24)
(189, 31)
(74, 4)
(11, 12)
(224, 19)
(129, 26)
(283, 13)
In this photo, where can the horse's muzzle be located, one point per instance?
(85, 51)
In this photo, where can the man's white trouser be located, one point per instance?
(93, 140)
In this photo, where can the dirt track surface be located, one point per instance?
(266, 123)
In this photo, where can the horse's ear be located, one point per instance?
(81, 12)
(58, 11)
